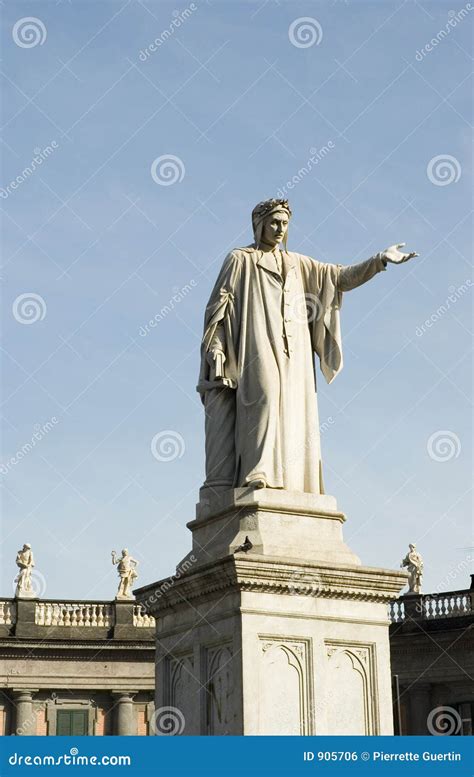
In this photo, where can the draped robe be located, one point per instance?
(262, 415)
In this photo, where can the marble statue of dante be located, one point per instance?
(414, 564)
(270, 311)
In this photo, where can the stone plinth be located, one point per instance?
(278, 523)
(288, 638)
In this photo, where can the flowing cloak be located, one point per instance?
(271, 325)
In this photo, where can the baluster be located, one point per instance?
(94, 615)
(2, 612)
(87, 615)
(100, 616)
(67, 616)
(9, 617)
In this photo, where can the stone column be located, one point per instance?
(125, 718)
(25, 718)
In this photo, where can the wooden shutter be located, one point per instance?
(71, 723)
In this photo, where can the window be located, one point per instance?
(72, 723)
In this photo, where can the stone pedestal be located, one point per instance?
(290, 637)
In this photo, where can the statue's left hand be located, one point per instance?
(395, 256)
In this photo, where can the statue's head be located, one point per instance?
(412, 546)
(125, 552)
(27, 546)
(270, 220)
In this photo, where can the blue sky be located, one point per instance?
(105, 247)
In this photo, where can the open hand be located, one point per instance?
(393, 255)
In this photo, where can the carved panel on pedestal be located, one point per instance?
(181, 689)
(351, 689)
(285, 687)
(219, 690)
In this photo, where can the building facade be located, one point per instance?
(432, 655)
(75, 668)
(88, 667)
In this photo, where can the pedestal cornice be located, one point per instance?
(281, 576)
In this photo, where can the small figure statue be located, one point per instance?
(25, 562)
(414, 564)
(127, 570)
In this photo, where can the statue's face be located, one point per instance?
(275, 228)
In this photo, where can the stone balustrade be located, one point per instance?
(451, 604)
(7, 612)
(83, 614)
(141, 619)
(81, 620)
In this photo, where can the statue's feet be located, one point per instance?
(257, 483)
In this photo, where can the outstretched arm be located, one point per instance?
(357, 274)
